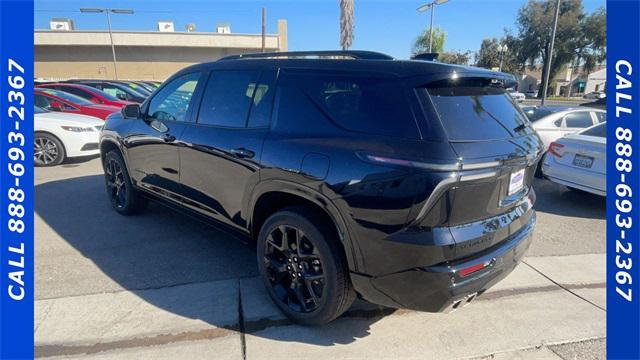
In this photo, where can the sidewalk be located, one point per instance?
(545, 303)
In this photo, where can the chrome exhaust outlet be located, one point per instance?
(460, 303)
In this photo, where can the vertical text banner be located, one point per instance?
(16, 179)
(623, 182)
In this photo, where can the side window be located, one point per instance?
(262, 103)
(77, 92)
(114, 91)
(558, 123)
(172, 102)
(41, 101)
(227, 97)
(580, 119)
(601, 116)
(366, 104)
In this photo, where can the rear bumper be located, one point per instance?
(442, 288)
(585, 180)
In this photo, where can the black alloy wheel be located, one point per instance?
(123, 197)
(294, 268)
(303, 266)
(116, 186)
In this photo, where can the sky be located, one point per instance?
(380, 25)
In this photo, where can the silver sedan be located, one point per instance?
(579, 160)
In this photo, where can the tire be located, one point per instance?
(321, 267)
(538, 172)
(47, 150)
(124, 198)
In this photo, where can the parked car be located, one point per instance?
(552, 123)
(595, 95)
(579, 161)
(515, 95)
(598, 104)
(58, 136)
(150, 88)
(531, 94)
(114, 89)
(407, 182)
(56, 100)
(86, 92)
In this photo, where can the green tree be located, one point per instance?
(489, 54)
(455, 57)
(535, 20)
(421, 44)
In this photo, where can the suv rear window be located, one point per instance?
(372, 105)
(473, 109)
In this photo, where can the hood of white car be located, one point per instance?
(68, 119)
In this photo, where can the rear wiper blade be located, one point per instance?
(520, 127)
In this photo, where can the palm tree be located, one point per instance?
(346, 24)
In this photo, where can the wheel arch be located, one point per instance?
(271, 196)
(64, 146)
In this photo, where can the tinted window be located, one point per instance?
(116, 92)
(601, 116)
(77, 92)
(580, 119)
(367, 104)
(476, 109)
(599, 130)
(262, 103)
(68, 97)
(45, 102)
(227, 97)
(172, 102)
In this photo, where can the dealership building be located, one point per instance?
(67, 53)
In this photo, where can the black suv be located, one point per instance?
(407, 183)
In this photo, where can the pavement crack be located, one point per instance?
(567, 289)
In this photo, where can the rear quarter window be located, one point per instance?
(475, 109)
(365, 104)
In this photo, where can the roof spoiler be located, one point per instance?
(327, 54)
(426, 56)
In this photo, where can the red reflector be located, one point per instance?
(471, 269)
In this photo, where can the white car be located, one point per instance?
(552, 123)
(595, 95)
(531, 94)
(515, 95)
(58, 136)
(579, 161)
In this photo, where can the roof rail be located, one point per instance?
(336, 54)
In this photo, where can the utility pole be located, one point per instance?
(426, 7)
(545, 84)
(109, 11)
(264, 20)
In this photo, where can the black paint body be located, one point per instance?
(407, 231)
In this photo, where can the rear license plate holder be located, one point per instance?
(583, 161)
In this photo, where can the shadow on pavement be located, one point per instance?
(559, 200)
(162, 248)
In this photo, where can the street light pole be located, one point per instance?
(108, 12)
(545, 84)
(502, 48)
(433, 9)
(432, 6)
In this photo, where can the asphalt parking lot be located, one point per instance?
(163, 285)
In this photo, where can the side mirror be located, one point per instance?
(131, 111)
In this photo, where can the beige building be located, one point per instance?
(155, 55)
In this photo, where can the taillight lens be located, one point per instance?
(556, 149)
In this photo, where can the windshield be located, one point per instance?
(475, 109)
(535, 114)
(68, 97)
(599, 130)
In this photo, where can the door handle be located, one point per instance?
(168, 138)
(243, 153)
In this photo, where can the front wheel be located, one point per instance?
(123, 197)
(303, 267)
(47, 150)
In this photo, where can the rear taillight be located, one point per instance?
(556, 149)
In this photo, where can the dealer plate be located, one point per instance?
(516, 181)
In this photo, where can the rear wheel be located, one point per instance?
(303, 267)
(47, 150)
(123, 197)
